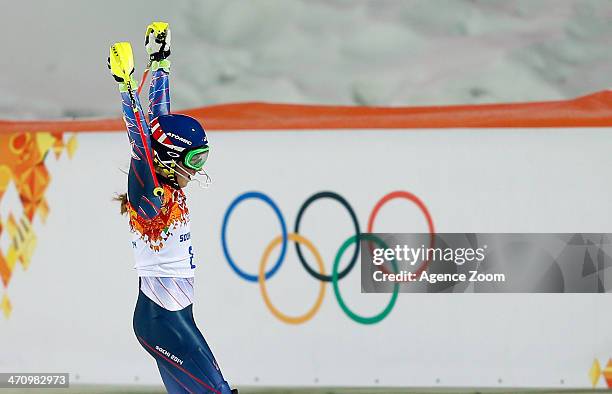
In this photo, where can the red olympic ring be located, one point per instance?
(412, 198)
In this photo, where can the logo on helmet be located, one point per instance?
(178, 137)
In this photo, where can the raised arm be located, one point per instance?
(157, 45)
(159, 93)
(143, 188)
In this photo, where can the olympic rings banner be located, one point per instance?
(266, 238)
(298, 239)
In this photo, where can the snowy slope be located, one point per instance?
(412, 52)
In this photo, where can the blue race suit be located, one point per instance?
(184, 359)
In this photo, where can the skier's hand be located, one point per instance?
(157, 41)
(117, 77)
(121, 61)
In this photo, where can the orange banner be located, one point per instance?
(594, 110)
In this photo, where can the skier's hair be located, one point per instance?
(123, 200)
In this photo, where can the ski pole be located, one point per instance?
(157, 190)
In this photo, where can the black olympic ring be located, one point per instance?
(341, 200)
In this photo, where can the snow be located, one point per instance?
(391, 53)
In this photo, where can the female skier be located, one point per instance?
(165, 156)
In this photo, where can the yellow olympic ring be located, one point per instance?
(262, 280)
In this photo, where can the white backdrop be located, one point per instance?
(72, 308)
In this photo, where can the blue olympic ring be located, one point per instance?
(281, 257)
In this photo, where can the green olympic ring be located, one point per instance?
(354, 316)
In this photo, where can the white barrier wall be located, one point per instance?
(72, 309)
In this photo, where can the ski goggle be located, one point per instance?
(196, 158)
